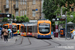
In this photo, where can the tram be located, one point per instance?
(40, 29)
(43, 29)
(12, 26)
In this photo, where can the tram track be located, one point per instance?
(47, 42)
(29, 41)
(55, 42)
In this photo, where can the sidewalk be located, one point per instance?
(62, 39)
(10, 41)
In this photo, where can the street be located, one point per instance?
(30, 43)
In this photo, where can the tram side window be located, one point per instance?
(14, 28)
(36, 29)
(25, 29)
(5, 26)
(30, 29)
(22, 29)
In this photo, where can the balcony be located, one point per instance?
(16, 7)
(6, 7)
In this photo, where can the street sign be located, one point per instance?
(36, 9)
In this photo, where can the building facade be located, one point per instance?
(31, 8)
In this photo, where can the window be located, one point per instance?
(25, 1)
(72, 9)
(25, 12)
(16, 3)
(33, 13)
(16, 13)
(34, 1)
(44, 28)
(20, 12)
(7, 3)
(30, 29)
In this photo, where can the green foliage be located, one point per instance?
(5, 19)
(13, 16)
(57, 11)
(18, 18)
(26, 19)
(24, 15)
(64, 9)
(49, 8)
(68, 18)
(22, 18)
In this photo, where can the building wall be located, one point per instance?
(22, 7)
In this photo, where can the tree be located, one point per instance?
(5, 19)
(49, 8)
(22, 18)
(26, 19)
(18, 18)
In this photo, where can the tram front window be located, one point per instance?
(44, 29)
(14, 28)
(30, 29)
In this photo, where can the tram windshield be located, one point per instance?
(30, 29)
(44, 28)
(14, 28)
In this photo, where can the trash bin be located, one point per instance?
(62, 32)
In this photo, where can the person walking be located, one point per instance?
(9, 32)
(72, 34)
(5, 34)
(18, 31)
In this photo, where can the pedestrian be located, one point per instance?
(72, 36)
(5, 34)
(9, 32)
(18, 31)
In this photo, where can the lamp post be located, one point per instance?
(65, 16)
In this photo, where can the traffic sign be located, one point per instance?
(36, 9)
